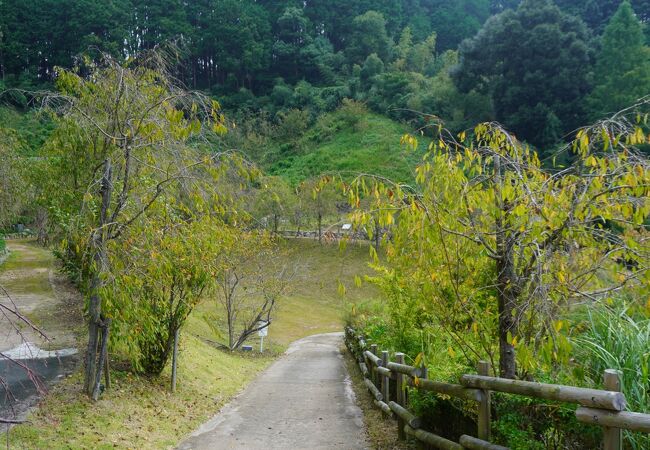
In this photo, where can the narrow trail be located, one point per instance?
(303, 401)
(41, 293)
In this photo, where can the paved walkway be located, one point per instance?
(303, 401)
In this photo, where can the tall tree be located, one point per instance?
(622, 72)
(534, 62)
(121, 143)
(495, 245)
(369, 36)
(292, 36)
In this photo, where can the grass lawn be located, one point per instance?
(140, 413)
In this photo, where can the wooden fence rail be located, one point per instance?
(596, 406)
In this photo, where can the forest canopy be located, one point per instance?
(396, 56)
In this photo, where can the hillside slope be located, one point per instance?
(348, 144)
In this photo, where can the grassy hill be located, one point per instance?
(346, 142)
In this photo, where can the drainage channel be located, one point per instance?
(19, 393)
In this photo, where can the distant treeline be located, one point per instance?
(276, 55)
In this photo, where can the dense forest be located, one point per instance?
(536, 67)
(486, 160)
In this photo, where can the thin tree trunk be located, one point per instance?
(506, 296)
(376, 235)
(320, 226)
(93, 364)
(175, 360)
(103, 351)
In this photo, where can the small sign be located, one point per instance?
(264, 331)
(346, 227)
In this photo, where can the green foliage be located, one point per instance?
(622, 72)
(527, 424)
(274, 202)
(349, 141)
(15, 190)
(617, 338)
(368, 36)
(477, 238)
(160, 274)
(538, 98)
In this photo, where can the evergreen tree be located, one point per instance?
(369, 36)
(623, 65)
(534, 63)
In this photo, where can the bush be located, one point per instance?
(523, 423)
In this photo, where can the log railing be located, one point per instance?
(597, 407)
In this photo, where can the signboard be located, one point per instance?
(264, 331)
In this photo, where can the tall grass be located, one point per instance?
(616, 340)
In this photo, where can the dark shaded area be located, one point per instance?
(20, 392)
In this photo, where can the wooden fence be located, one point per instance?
(597, 407)
(21, 235)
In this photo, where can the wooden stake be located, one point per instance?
(484, 408)
(174, 360)
(612, 437)
(400, 397)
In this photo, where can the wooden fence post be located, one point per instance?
(373, 369)
(400, 397)
(385, 380)
(612, 437)
(484, 407)
(175, 360)
(424, 375)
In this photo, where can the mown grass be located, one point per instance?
(140, 412)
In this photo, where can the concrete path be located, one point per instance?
(40, 292)
(303, 401)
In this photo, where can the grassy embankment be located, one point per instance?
(347, 144)
(139, 412)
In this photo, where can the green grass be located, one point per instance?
(334, 144)
(31, 265)
(616, 339)
(139, 412)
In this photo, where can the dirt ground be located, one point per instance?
(42, 294)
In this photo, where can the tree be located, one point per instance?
(159, 274)
(622, 72)
(495, 245)
(320, 197)
(369, 36)
(372, 66)
(273, 201)
(121, 142)
(455, 21)
(539, 98)
(14, 187)
(249, 282)
(292, 37)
